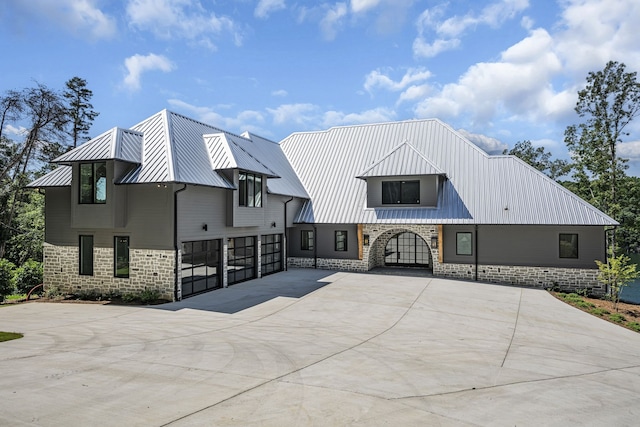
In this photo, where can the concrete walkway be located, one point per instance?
(308, 347)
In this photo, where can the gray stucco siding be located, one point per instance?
(525, 245)
(57, 208)
(428, 190)
(325, 241)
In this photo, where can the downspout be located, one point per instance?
(175, 240)
(607, 233)
(476, 253)
(286, 237)
(315, 246)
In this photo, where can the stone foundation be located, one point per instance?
(149, 269)
(564, 279)
(329, 264)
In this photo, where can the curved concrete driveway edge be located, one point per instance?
(308, 347)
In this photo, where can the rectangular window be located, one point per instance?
(464, 243)
(568, 246)
(250, 190)
(401, 192)
(307, 240)
(93, 183)
(341, 240)
(86, 255)
(121, 251)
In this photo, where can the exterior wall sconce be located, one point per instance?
(434, 242)
(365, 240)
(273, 224)
(205, 227)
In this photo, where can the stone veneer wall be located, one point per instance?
(148, 269)
(565, 279)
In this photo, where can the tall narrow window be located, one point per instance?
(341, 240)
(464, 243)
(86, 255)
(401, 192)
(307, 240)
(93, 182)
(568, 246)
(250, 190)
(121, 255)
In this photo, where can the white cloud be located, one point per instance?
(594, 32)
(300, 114)
(19, 131)
(414, 93)
(629, 150)
(488, 144)
(450, 30)
(78, 16)
(358, 6)
(280, 92)
(376, 115)
(266, 7)
(138, 64)
(333, 20)
(248, 120)
(185, 19)
(519, 84)
(377, 79)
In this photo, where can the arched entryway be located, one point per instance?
(406, 249)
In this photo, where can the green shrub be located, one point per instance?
(600, 311)
(149, 295)
(7, 286)
(53, 292)
(617, 317)
(129, 297)
(28, 275)
(634, 326)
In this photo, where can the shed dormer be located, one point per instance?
(402, 178)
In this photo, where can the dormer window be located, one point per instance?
(401, 192)
(250, 190)
(93, 183)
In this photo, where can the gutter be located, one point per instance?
(175, 240)
(286, 237)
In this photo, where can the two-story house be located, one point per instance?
(183, 207)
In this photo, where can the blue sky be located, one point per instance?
(500, 71)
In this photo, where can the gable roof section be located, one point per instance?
(402, 160)
(114, 144)
(479, 189)
(233, 152)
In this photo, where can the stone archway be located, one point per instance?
(379, 236)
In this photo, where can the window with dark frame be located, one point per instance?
(93, 183)
(307, 240)
(568, 245)
(464, 242)
(85, 260)
(401, 192)
(250, 190)
(341, 240)
(121, 256)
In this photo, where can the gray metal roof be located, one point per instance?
(114, 144)
(59, 177)
(234, 152)
(402, 160)
(169, 147)
(479, 189)
(288, 184)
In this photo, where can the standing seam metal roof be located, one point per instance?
(479, 189)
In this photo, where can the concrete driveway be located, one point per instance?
(308, 347)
